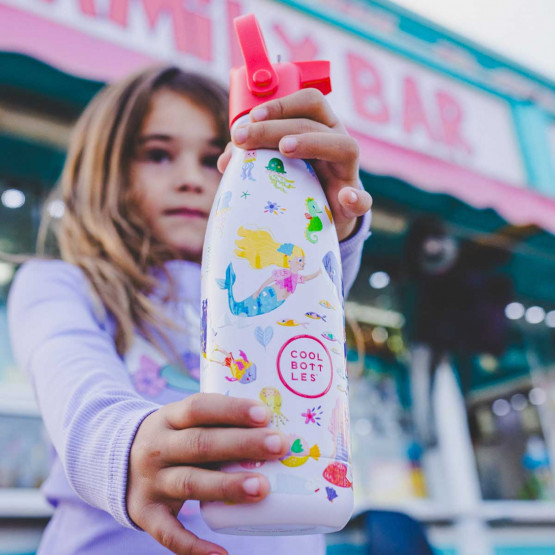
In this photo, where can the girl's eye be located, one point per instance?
(157, 155)
(210, 161)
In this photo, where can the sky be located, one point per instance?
(522, 30)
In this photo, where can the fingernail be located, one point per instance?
(273, 444)
(259, 414)
(288, 144)
(240, 135)
(258, 114)
(251, 486)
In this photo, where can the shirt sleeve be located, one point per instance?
(351, 251)
(89, 406)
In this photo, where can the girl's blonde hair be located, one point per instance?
(260, 249)
(102, 231)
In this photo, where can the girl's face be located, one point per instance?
(173, 171)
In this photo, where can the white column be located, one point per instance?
(459, 463)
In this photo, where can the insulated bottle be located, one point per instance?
(273, 313)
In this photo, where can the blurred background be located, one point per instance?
(451, 323)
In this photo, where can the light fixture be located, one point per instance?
(550, 319)
(501, 407)
(56, 208)
(363, 427)
(519, 402)
(535, 315)
(514, 311)
(6, 272)
(379, 335)
(13, 198)
(537, 396)
(379, 280)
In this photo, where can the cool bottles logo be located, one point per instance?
(304, 366)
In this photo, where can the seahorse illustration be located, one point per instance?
(314, 221)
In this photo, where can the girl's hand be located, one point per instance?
(302, 125)
(170, 463)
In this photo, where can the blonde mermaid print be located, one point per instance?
(260, 249)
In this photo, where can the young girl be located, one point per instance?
(109, 334)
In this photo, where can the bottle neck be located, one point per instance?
(240, 121)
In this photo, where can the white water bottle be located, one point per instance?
(272, 313)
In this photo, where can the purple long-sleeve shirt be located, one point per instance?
(92, 401)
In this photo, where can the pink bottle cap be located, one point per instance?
(259, 80)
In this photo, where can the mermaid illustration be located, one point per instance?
(260, 250)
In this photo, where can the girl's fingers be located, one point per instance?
(224, 158)
(267, 134)
(354, 202)
(351, 204)
(166, 529)
(213, 409)
(208, 445)
(306, 103)
(329, 147)
(186, 482)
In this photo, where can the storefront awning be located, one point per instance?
(519, 206)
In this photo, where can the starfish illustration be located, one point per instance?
(245, 194)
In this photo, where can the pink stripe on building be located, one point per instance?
(66, 48)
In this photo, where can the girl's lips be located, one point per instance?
(187, 212)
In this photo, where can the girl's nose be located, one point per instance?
(189, 176)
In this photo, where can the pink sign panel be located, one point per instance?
(413, 123)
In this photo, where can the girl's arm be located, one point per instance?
(86, 399)
(130, 457)
(351, 251)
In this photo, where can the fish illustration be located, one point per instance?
(298, 453)
(336, 474)
(330, 337)
(291, 323)
(326, 304)
(242, 369)
(315, 316)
